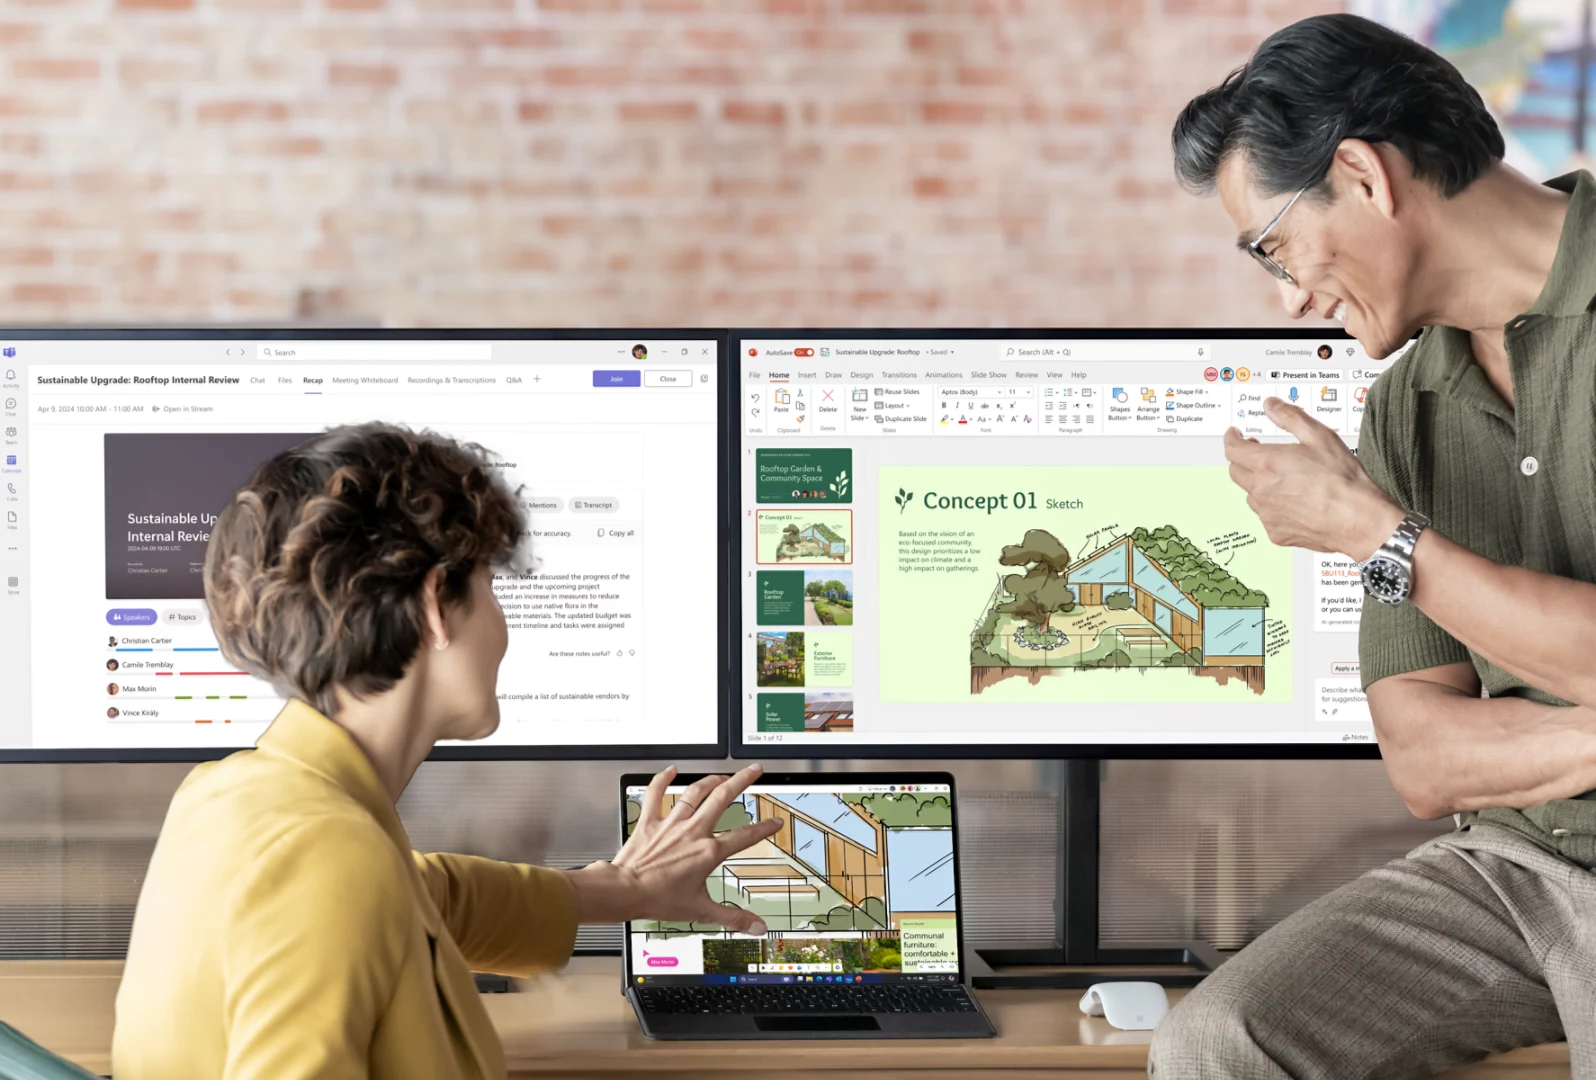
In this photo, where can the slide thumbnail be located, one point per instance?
(162, 494)
(797, 658)
(801, 474)
(804, 598)
(803, 536)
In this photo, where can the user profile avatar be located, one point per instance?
(1324, 352)
(112, 688)
(112, 713)
(111, 665)
(639, 352)
(113, 643)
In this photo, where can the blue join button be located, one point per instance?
(617, 378)
(130, 616)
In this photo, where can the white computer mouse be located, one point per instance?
(1129, 1006)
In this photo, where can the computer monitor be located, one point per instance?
(120, 447)
(1027, 544)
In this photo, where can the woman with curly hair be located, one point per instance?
(286, 929)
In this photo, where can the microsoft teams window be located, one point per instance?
(1029, 542)
(118, 455)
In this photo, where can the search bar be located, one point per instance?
(338, 351)
(1080, 350)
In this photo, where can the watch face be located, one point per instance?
(1386, 579)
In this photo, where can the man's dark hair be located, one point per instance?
(315, 568)
(1329, 78)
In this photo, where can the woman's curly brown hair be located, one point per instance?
(314, 573)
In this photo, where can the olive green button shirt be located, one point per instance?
(1513, 483)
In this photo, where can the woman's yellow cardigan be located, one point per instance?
(287, 931)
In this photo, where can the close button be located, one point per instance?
(667, 378)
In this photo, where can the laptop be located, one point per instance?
(860, 894)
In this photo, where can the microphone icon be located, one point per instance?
(1293, 395)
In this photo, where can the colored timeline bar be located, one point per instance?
(141, 720)
(130, 648)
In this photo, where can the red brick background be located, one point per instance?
(592, 162)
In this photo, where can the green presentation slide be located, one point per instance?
(779, 712)
(1131, 584)
(796, 474)
(803, 597)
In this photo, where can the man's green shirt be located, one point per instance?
(1515, 484)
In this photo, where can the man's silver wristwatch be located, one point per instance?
(1388, 575)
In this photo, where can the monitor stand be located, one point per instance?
(1076, 907)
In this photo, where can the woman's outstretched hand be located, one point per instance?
(662, 869)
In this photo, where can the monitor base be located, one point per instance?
(1044, 967)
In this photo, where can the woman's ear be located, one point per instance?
(437, 628)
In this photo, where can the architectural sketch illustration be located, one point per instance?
(795, 538)
(1148, 599)
(853, 864)
(814, 541)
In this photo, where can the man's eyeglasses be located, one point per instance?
(1255, 249)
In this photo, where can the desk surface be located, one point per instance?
(577, 1024)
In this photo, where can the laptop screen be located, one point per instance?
(859, 886)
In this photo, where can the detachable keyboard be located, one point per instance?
(810, 1011)
(806, 997)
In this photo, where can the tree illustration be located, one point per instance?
(734, 816)
(1044, 587)
(789, 536)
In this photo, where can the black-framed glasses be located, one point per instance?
(1255, 249)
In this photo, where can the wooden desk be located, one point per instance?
(576, 1024)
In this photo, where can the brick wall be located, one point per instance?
(590, 162)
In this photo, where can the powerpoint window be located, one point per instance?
(119, 454)
(999, 541)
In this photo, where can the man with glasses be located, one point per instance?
(1367, 177)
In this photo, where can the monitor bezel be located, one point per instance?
(812, 779)
(852, 750)
(517, 752)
